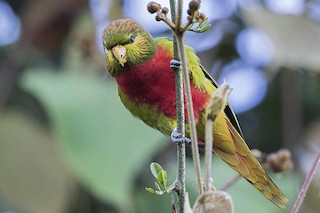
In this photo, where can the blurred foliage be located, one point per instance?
(102, 143)
(31, 170)
(68, 144)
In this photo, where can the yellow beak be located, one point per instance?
(119, 52)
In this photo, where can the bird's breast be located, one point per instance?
(153, 83)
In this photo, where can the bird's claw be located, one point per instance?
(178, 137)
(175, 64)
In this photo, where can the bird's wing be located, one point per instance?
(228, 110)
(198, 72)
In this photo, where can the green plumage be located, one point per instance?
(140, 65)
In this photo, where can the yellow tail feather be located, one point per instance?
(243, 161)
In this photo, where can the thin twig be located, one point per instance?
(216, 105)
(185, 28)
(185, 72)
(230, 182)
(181, 147)
(169, 23)
(178, 17)
(305, 186)
(192, 123)
(208, 154)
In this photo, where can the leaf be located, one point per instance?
(203, 23)
(31, 168)
(204, 29)
(150, 190)
(201, 30)
(157, 186)
(155, 169)
(160, 192)
(102, 143)
(162, 178)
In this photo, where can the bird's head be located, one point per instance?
(126, 43)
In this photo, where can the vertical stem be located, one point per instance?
(185, 73)
(193, 131)
(179, 16)
(306, 185)
(208, 155)
(181, 147)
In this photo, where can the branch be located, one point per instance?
(181, 147)
(216, 105)
(305, 186)
(182, 79)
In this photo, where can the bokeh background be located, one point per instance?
(68, 145)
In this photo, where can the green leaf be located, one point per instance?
(207, 27)
(202, 27)
(162, 178)
(150, 190)
(171, 187)
(160, 192)
(157, 186)
(101, 142)
(31, 168)
(203, 23)
(155, 169)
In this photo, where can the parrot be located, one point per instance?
(140, 65)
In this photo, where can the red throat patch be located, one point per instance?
(153, 83)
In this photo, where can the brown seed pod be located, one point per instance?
(280, 161)
(165, 10)
(158, 18)
(194, 5)
(153, 7)
(202, 16)
(214, 202)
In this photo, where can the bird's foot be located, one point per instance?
(178, 137)
(175, 64)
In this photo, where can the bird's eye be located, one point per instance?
(131, 39)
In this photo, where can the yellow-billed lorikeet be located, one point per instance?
(141, 66)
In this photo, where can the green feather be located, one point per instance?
(119, 33)
(149, 114)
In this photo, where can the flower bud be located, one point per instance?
(153, 7)
(194, 5)
(165, 10)
(214, 202)
(280, 161)
(201, 17)
(158, 18)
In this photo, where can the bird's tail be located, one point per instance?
(249, 167)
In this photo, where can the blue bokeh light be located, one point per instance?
(200, 42)
(249, 4)
(99, 30)
(249, 85)
(284, 7)
(214, 10)
(100, 9)
(314, 10)
(10, 25)
(204, 41)
(138, 11)
(255, 47)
